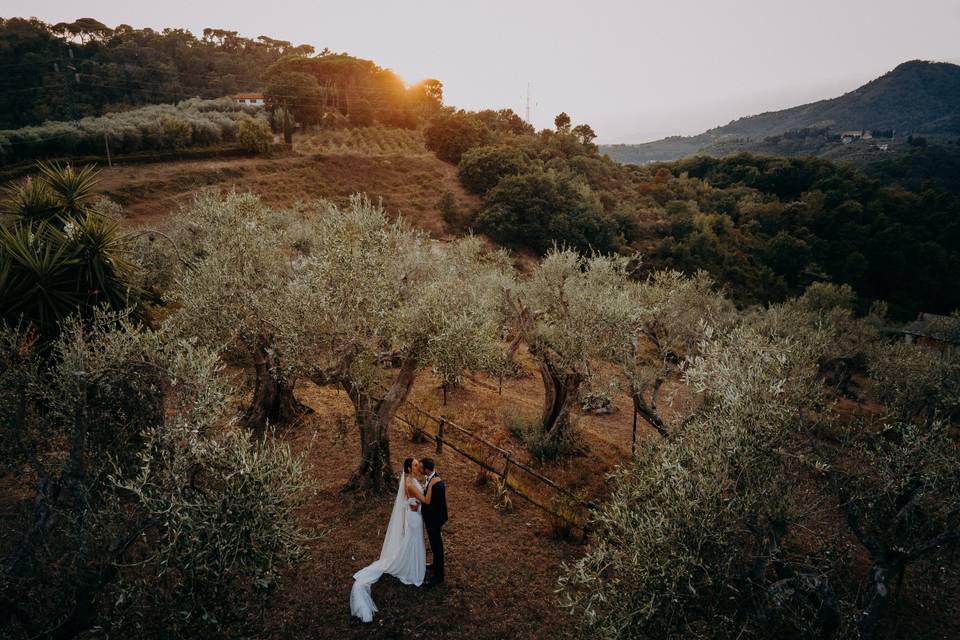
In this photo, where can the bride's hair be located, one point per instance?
(407, 465)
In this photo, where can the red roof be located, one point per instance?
(248, 96)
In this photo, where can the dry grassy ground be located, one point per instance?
(398, 169)
(502, 564)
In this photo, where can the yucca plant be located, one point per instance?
(58, 256)
(30, 200)
(38, 275)
(58, 194)
(73, 189)
(98, 246)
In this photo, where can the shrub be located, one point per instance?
(597, 403)
(172, 521)
(450, 135)
(176, 133)
(191, 122)
(481, 168)
(540, 209)
(544, 446)
(60, 256)
(255, 135)
(448, 208)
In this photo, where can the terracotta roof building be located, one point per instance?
(252, 99)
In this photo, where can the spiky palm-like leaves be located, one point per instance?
(104, 273)
(30, 200)
(59, 257)
(59, 193)
(73, 188)
(47, 273)
(37, 275)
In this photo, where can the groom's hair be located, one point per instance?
(427, 464)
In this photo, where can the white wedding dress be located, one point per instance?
(403, 555)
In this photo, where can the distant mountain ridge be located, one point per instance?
(917, 97)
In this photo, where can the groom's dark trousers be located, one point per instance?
(434, 517)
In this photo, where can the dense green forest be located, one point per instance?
(768, 226)
(68, 71)
(84, 68)
(765, 227)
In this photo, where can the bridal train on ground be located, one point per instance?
(403, 554)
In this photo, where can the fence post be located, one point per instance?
(106, 143)
(506, 470)
(443, 421)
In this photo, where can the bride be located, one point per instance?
(403, 554)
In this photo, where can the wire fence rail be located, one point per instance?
(515, 476)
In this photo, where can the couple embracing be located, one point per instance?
(421, 503)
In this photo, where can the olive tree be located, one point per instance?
(742, 522)
(230, 292)
(896, 473)
(382, 297)
(151, 513)
(572, 309)
(692, 532)
(675, 314)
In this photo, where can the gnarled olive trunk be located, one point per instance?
(561, 389)
(877, 597)
(648, 410)
(273, 401)
(374, 418)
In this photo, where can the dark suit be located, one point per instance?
(434, 516)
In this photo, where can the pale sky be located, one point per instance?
(635, 70)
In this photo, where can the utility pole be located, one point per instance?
(528, 103)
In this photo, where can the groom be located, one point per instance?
(434, 515)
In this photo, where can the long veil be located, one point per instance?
(393, 541)
(361, 602)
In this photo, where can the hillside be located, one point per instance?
(389, 164)
(917, 97)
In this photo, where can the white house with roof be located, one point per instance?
(249, 99)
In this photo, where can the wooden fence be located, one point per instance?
(515, 476)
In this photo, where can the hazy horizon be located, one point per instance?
(635, 71)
